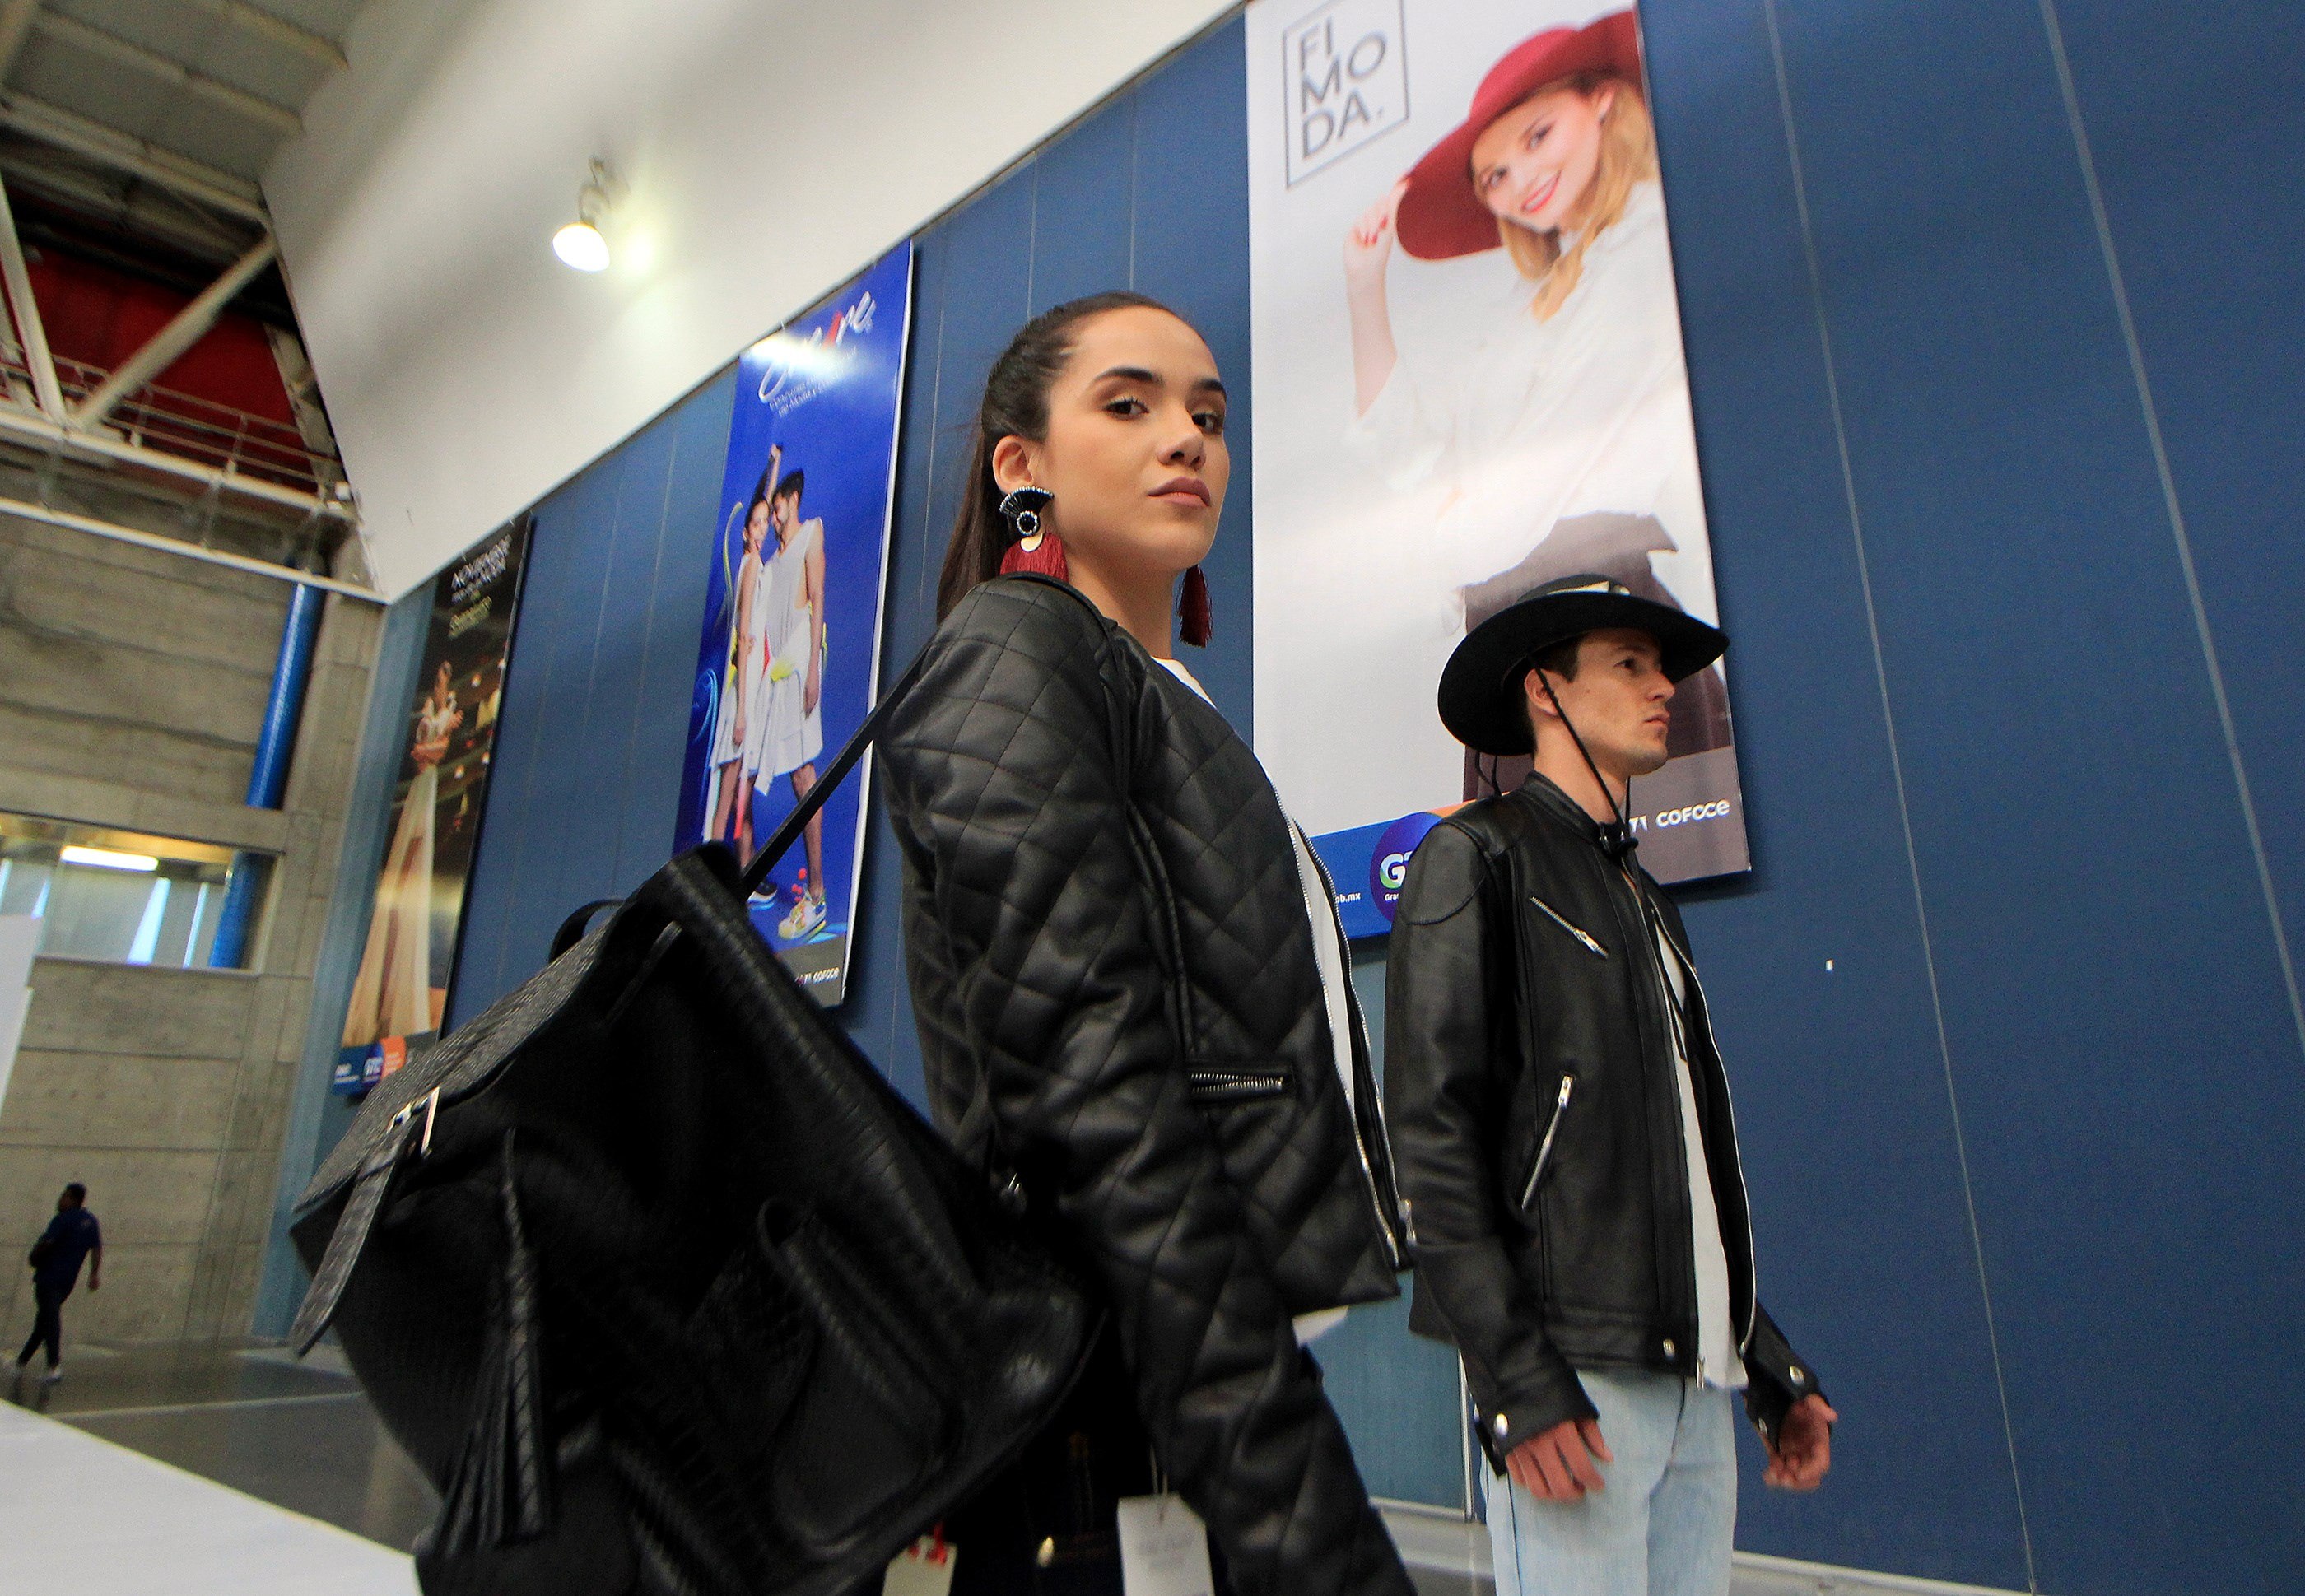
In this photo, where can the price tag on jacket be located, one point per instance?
(1164, 1548)
(924, 1568)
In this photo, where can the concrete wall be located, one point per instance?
(132, 687)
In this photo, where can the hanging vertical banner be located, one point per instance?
(449, 741)
(790, 662)
(1469, 382)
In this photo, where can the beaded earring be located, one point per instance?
(1034, 549)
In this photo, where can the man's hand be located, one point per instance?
(1803, 1450)
(1563, 1463)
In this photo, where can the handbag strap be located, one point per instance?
(782, 838)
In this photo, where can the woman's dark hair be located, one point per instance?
(1016, 404)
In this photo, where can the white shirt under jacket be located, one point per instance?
(1717, 1362)
(1538, 420)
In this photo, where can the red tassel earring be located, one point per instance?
(1193, 609)
(1034, 549)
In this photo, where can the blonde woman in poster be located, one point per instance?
(1556, 433)
(393, 994)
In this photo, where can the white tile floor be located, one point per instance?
(81, 1515)
(1448, 1546)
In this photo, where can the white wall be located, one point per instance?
(771, 148)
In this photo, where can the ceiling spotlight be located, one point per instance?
(581, 243)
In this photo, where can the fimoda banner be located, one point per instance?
(788, 663)
(450, 733)
(1469, 382)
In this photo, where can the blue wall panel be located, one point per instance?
(596, 701)
(2114, 1013)
(1867, 1256)
(2017, 1153)
(2196, 131)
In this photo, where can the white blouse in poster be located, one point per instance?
(1440, 428)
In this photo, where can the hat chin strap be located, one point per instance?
(1616, 836)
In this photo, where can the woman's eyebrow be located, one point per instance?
(1200, 385)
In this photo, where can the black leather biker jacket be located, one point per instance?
(1104, 928)
(1530, 1084)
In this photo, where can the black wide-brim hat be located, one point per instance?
(1481, 698)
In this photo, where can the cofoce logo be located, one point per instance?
(1389, 859)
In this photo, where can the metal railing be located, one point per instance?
(190, 427)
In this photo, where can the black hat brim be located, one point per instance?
(1481, 700)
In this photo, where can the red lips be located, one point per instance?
(1192, 485)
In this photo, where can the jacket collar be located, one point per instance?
(1549, 800)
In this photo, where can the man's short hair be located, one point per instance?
(789, 485)
(76, 1192)
(1561, 659)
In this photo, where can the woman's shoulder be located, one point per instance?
(1016, 677)
(1025, 613)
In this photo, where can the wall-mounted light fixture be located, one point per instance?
(581, 243)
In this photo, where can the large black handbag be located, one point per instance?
(663, 1286)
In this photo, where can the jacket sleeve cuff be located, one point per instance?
(1776, 1377)
(1525, 1406)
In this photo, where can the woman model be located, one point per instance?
(1127, 971)
(392, 995)
(1561, 440)
(736, 729)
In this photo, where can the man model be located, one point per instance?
(1562, 1127)
(792, 697)
(71, 1237)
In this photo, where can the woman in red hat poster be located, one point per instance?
(1511, 403)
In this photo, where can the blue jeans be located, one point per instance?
(1666, 1523)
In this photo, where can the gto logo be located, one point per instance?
(1388, 859)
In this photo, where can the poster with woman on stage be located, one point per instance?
(788, 664)
(449, 742)
(1469, 382)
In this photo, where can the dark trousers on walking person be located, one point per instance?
(48, 1324)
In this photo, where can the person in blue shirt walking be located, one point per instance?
(71, 1237)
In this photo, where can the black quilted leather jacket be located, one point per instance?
(1533, 1098)
(1103, 913)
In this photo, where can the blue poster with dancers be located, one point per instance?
(788, 665)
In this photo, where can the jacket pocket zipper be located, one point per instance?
(1236, 1086)
(1544, 1147)
(1591, 946)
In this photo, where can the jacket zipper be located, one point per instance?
(1591, 945)
(1544, 1147)
(1236, 1086)
(1744, 1198)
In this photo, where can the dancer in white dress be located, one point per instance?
(392, 995)
(791, 696)
(1560, 439)
(736, 729)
